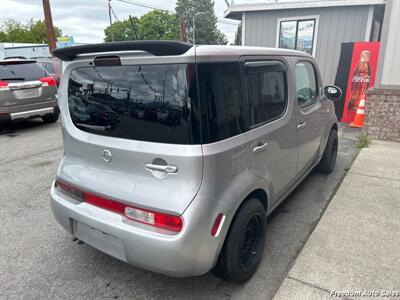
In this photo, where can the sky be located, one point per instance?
(85, 20)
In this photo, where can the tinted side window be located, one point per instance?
(220, 90)
(268, 96)
(306, 84)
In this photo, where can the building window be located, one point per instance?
(297, 34)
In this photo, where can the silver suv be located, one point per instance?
(175, 154)
(26, 91)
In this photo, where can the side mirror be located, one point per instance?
(333, 92)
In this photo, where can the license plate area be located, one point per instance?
(27, 93)
(102, 241)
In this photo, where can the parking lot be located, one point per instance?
(40, 260)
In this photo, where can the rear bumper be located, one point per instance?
(8, 114)
(32, 113)
(191, 252)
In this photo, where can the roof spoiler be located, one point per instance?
(157, 48)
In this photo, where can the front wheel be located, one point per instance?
(244, 244)
(328, 160)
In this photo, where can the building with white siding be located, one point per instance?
(316, 27)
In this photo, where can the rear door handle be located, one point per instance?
(260, 148)
(162, 168)
(301, 125)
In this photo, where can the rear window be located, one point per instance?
(21, 71)
(49, 67)
(154, 103)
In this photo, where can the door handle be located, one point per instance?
(301, 125)
(260, 148)
(161, 168)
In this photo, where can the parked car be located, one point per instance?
(52, 65)
(79, 109)
(26, 91)
(183, 200)
(102, 115)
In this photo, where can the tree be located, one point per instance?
(122, 30)
(155, 25)
(202, 12)
(238, 36)
(159, 25)
(12, 31)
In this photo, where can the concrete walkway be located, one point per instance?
(355, 247)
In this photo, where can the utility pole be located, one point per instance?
(182, 29)
(109, 15)
(49, 25)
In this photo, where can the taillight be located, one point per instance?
(161, 220)
(3, 84)
(157, 219)
(48, 81)
(70, 191)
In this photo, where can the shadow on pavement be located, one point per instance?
(15, 128)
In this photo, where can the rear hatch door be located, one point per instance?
(131, 134)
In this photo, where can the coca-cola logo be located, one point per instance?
(360, 78)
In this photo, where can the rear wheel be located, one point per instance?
(51, 118)
(328, 160)
(244, 244)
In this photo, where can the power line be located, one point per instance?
(220, 20)
(146, 5)
(112, 10)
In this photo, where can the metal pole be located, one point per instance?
(194, 30)
(49, 25)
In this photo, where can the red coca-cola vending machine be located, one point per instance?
(355, 74)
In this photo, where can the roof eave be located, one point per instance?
(235, 11)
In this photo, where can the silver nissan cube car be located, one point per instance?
(175, 154)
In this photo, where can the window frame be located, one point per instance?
(299, 19)
(317, 83)
(248, 93)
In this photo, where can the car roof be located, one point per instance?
(224, 50)
(172, 48)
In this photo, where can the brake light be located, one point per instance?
(161, 220)
(48, 81)
(156, 219)
(3, 84)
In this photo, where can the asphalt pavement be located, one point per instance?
(40, 260)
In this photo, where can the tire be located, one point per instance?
(244, 244)
(328, 160)
(51, 118)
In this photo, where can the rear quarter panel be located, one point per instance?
(227, 180)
